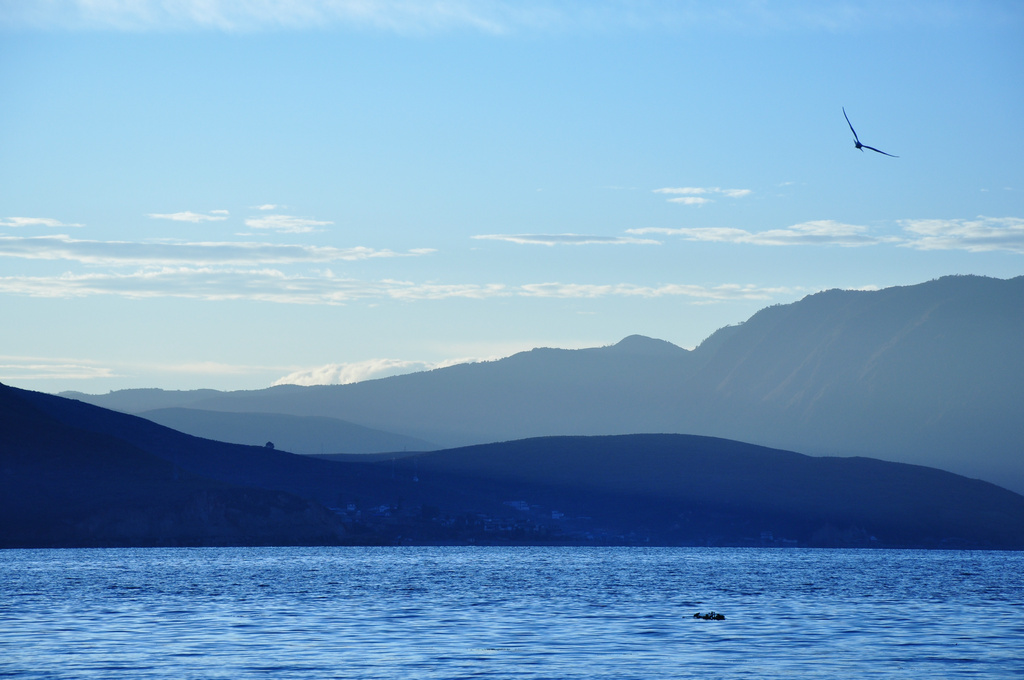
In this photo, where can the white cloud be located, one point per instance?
(286, 224)
(690, 200)
(26, 368)
(705, 293)
(267, 206)
(371, 369)
(189, 216)
(696, 195)
(36, 368)
(490, 16)
(977, 235)
(34, 222)
(818, 232)
(271, 285)
(565, 239)
(213, 283)
(682, 190)
(241, 15)
(134, 253)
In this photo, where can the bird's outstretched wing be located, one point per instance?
(878, 151)
(851, 127)
(857, 142)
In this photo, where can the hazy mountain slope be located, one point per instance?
(64, 486)
(148, 399)
(930, 374)
(627, 387)
(297, 434)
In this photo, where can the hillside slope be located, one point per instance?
(930, 374)
(75, 474)
(682, 486)
(62, 485)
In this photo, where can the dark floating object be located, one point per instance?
(856, 140)
(710, 616)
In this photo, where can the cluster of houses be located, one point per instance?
(517, 521)
(521, 520)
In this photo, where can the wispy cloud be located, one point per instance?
(271, 285)
(819, 232)
(189, 216)
(267, 206)
(490, 16)
(286, 224)
(39, 368)
(566, 239)
(134, 253)
(347, 373)
(234, 15)
(705, 293)
(34, 222)
(699, 195)
(977, 235)
(26, 368)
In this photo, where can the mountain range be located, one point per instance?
(74, 474)
(930, 374)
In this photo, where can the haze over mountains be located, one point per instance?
(931, 374)
(73, 474)
(298, 434)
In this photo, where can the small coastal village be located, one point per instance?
(520, 522)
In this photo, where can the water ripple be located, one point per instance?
(525, 613)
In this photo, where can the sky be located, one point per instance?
(231, 194)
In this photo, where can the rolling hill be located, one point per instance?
(73, 474)
(62, 485)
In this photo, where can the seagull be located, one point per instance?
(856, 140)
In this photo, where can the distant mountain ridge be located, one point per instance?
(930, 374)
(297, 434)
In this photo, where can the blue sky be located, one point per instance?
(228, 194)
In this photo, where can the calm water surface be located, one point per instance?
(509, 613)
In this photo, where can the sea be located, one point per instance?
(510, 612)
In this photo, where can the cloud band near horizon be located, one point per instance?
(169, 253)
(566, 239)
(270, 285)
(983, 234)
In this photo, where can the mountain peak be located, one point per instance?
(643, 345)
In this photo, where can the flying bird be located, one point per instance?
(856, 140)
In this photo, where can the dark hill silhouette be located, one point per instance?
(76, 474)
(930, 374)
(665, 482)
(62, 485)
